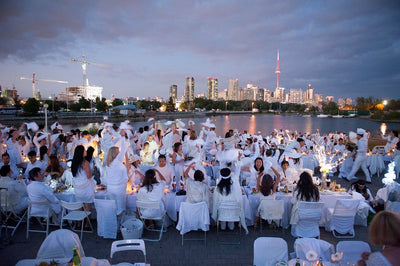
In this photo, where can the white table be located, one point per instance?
(292, 262)
(85, 261)
(375, 164)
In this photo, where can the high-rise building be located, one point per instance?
(279, 94)
(329, 98)
(318, 98)
(223, 95)
(309, 94)
(212, 89)
(189, 89)
(233, 90)
(173, 92)
(277, 71)
(349, 101)
(295, 96)
(268, 96)
(341, 102)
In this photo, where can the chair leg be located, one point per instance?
(83, 225)
(47, 226)
(27, 227)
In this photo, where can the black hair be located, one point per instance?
(198, 176)
(5, 169)
(306, 190)
(149, 179)
(361, 182)
(162, 156)
(42, 151)
(32, 154)
(267, 183)
(89, 153)
(176, 146)
(225, 183)
(5, 154)
(284, 162)
(34, 173)
(262, 166)
(77, 160)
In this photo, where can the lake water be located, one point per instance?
(267, 122)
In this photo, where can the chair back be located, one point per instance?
(378, 149)
(229, 211)
(393, 206)
(321, 247)
(128, 244)
(72, 206)
(352, 250)
(60, 244)
(106, 218)
(346, 207)
(150, 209)
(38, 208)
(310, 211)
(193, 216)
(269, 250)
(3, 199)
(271, 209)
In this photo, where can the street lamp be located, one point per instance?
(226, 106)
(384, 102)
(252, 106)
(45, 116)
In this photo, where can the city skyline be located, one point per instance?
(344, 49)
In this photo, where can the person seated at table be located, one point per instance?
(359, 186)
(166, 170)
(54, 169)
(33, 162)
(44, 154)
(384, 231)
(39, 192)
(227, 191)
(267, 187)
(256, 171)
(134, 173)
(346, 166)
(288, 175)
(5, 157)
(196, 189)
(17, 197)
(117, 175)
(305, 190)
(84, 184)
(152, 190)
(392, 139)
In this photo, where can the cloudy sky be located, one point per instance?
(343, 48)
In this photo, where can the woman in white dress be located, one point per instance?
(134, 173)
(178, 160)
(84, 184)
(117, 174)
(196, 189)
(152, 190)
(305, 191)
(256, 172)
(384, 231)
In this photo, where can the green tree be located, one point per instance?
(330, 108)
(75, 107)
(117, 102)
(84, 103)
(170, 105)
(31, 106)
(101, 105)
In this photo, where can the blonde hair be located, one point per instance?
(385, 229)
(112, 153)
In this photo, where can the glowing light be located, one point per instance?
(383, 128)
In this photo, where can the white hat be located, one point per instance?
(191, 122)
(133, 158)
(246, 153)
(293, 154)
(163, 152)
(33, 126)
(213, 152)
(360, 131)
(150, 119)
(181, 124)
(54, 125)
(168, 123)
(125, 125)
(105, 117)
(42, 137)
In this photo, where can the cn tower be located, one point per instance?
(277, 71)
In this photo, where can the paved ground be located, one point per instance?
(169, 250)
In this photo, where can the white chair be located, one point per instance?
(397, 165)
(309, 214)
(128, 244)
(107, 224)
(7, 213)
(38, 209)
(352, 250)
(269, 250)
(229, 211)
(341, 218)
(151, 210)
(60, 244)
(193, 216)
(271, 210)
(75, 211)
(322, 248)
(378, 149)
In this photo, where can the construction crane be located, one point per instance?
(84, 66)
(34, 80)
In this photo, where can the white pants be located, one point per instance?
(360, 161)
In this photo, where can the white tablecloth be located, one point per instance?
(85, 261)
(375, 164)
(292, 262)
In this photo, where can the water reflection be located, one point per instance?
(252, 124)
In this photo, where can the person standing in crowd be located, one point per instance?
(361, 157)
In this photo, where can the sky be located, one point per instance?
(342, 48)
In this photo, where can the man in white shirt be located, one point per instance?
(17, 198)
(7, 161)
(165, 170)
(39, 192)
(339, 148)
(33, 162)
(361, 157)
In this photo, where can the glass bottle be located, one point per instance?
(76, 260)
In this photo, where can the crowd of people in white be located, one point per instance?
(174, 156)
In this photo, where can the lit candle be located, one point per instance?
(383, 128)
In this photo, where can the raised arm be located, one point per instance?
(186, 173)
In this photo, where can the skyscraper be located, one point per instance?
(277, 71)
(233, 90)
(310, 94)
(279, 94)
(212, 89)
(189, 89)
(173, 92)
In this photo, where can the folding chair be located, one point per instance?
(352, 250)
(75, 211)
(128, 244)
(193, 216)
(268, 250)
(341, 218)
(151, 210)
(60, 244)
(38, 209)
(323, 248)
(271, 210)
(7, 213)
(309, 214)
(229, 211)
